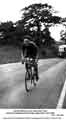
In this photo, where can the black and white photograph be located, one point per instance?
(32, 54)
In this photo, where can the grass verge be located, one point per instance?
(9, 54)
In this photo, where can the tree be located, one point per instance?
(35, 17)
(49, 41)
(7, 31)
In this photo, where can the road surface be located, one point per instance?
(52, 74)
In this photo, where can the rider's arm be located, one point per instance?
(22, 56)
(37, 56)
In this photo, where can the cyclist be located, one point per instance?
(30, 50)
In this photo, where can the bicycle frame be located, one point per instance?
(30, 71)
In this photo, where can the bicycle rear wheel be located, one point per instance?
(34, 80)
(28, 81)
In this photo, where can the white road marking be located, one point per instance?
(62, 96)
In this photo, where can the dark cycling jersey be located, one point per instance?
(30, 50)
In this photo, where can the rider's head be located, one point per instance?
(27, 39)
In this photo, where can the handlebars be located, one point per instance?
(30, 60)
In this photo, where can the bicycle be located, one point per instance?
(30, 75)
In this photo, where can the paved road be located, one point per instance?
(52, 74)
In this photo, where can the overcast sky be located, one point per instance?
(10, 9)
